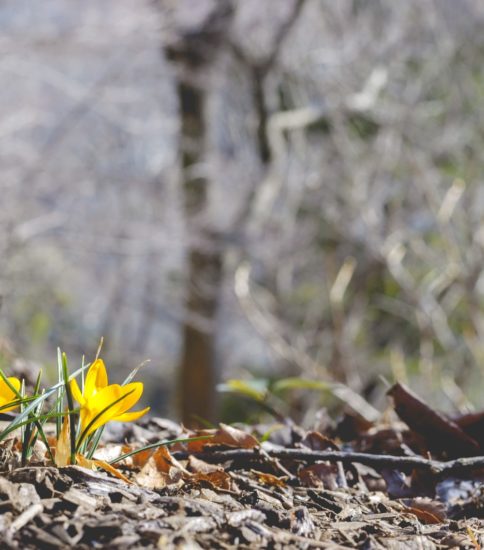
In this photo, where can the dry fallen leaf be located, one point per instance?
(320, 475)
(219, 479)
(236, 438)
(63, 446)
(95, 464)
(111, 452)
(151, 478)
(473, 425)
(224, 435)
(165, 462)
(140, 459)
(160, 470)
(232, 437)
(202, 471)
(427, 510)
(439, 432)
(200, 466)
(270, 479)
(424, 516)
(319, 442)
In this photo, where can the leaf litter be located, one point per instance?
(414, 481)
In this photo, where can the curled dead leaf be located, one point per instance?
(160, 470)
(225, 435)
(270, 479)
(319, 442)
(165, 462)
(138, 460)
(63, 446)
(439, 432)
(94, 464)
(424, 516)
(219, 479)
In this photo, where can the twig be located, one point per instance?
(436, 467)
(266, 324)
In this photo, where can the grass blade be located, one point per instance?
(60, 393)
(70, 406)
(159, 444)
(39, 399)
(11, 428)
(134, 372)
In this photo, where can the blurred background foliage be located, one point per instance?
(246, 190)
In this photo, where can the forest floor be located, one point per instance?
(412, 482)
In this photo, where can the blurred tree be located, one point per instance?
(195, 38)
(197, 35)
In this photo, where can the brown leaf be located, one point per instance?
(63, 446)
(351, 426)
(85, 462)
(165, 462)
(233, 437)
(270, 479)
(160, 470)
(141, 458)
(151, 478)
(440, 433)
(219, 479)
(437, 509)
(423, 516)
(472, 425)
(320, 475)
(193, 446)
(94, 464)
(224, 435)
(112, 470)
(319, 442)
(214, 475)
(427, 511)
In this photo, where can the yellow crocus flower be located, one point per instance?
(7, 395)
(98, 395)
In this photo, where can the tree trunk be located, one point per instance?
(193, 52)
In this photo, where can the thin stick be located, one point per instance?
(437, 467)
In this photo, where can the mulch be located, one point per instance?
(379, 486)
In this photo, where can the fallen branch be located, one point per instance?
(436, 467)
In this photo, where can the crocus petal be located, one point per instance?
(6, 394)
(15, 382)
(84, 417)
(8, 408)
(76, 392)
(96, 379)
(129, 417)
(96, 405)
(101, 403)
(88, 420)
(103, 419)
(135, 390)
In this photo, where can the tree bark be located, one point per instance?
(193, 52)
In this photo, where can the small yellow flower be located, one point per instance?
(98, 395)
(7, 395)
